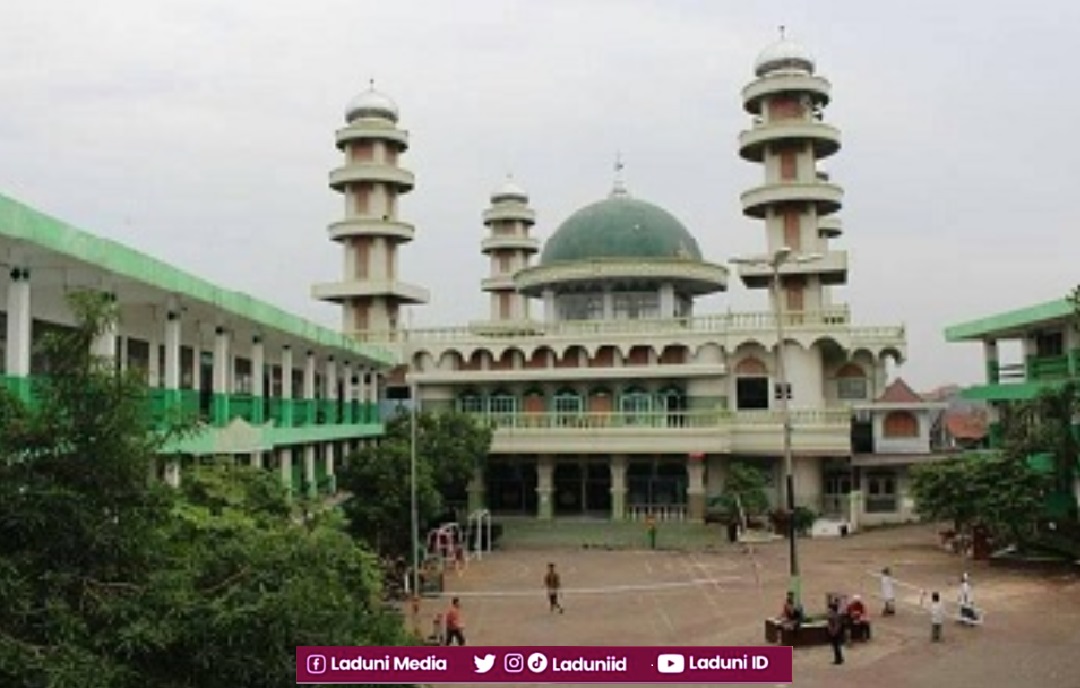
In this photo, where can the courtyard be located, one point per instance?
(719, 595)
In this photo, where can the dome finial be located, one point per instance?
(619, 188)
(371, 84)
(782, 32)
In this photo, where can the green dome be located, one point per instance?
(620, 227)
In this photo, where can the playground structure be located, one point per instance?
(446, 546)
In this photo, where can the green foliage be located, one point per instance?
(449, 448)
(804, 518)
(745, 485)
(1044, 425)
(991, 490)
(108, 581)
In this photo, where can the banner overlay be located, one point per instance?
(586, 664)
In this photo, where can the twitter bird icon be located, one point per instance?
(483, 664)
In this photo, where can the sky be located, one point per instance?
(202, 133)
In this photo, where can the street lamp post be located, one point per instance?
(774, 262)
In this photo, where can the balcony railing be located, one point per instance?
(1038, 369)
(577, 329)
(840, 417)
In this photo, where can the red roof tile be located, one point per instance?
(898, 392)
(966, 426)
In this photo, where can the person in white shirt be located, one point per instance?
(966, 600)
(937, 617)
(888, 592)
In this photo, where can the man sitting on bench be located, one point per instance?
(856, 614)
(792, 614)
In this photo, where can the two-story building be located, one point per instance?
(610, 393)
(1046, 354)
(263, 385)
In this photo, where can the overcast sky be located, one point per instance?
(202, 132)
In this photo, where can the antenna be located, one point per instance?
(783, 31)
(619, 188)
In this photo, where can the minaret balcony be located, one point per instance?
(818, 88)
(828, 198)
(511, 212)
(753, 143)
(357, 172)
(371, 227)
(359, 132)
(525, 244)
(341, 292)
(830, 227)
(498, 283)
(831, 269)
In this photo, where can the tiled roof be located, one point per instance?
(898, 392)
(966, 426)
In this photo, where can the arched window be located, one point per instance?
(568, 406)
(901, 425)
(502, 403)
(851, 383)
(471, 402)
(752, 384)
(635, 405)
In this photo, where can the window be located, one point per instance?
(753, 393)
(568, 407)
(503, 404)
(636, 305)
(1049, 344)
(581, 307)
(471, 403)
(901, 425)
(635, 405)
(881, 494)
(851, 388)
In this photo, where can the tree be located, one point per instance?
(996, 491)
(744, 487)
(1044, 425)
(108, 580)
(449, 449)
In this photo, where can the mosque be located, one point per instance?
(610, 395)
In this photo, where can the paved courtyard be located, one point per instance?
(1031, 636)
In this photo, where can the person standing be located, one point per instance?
(937, 617)
(835, 630)
(553, 584)
(455, 624)
(888, 592)
(966, 601)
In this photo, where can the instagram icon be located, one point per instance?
(316, 664)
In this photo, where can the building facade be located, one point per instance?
(611, 396)
(263, 386)
(1048, 354)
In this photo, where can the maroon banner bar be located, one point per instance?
(479, 665)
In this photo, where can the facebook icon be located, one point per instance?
(316, 664)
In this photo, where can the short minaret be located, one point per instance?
(510, 248)
(797, 201)
(371, 182)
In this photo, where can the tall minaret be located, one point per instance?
(797, 200)
(509, 246)
(371, 182)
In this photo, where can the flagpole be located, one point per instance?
(413, 506)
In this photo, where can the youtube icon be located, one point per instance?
(671, 664)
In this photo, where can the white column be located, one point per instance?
(347, 385)
(330, 380)
(609, 304)
(285, 465)
(19, 324)
(667, 300)
(549, 306)
(373, 387)
(286, 372)
(172, 472)
(330, 452)
(123, 352)
(153, 370)
(222, 361)
(309, 375)
(258, 365)
(361, 390)
(172, 348)
(309, 470)
(257, 459)
(104, 345)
